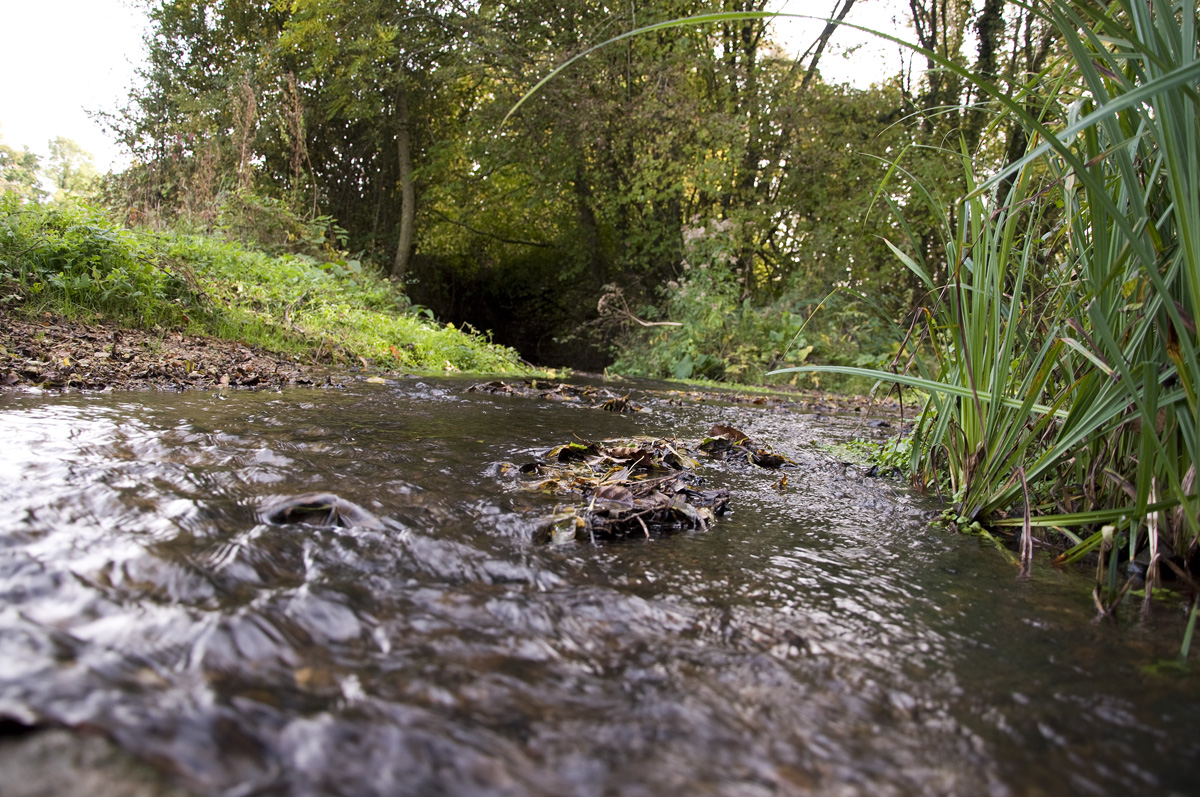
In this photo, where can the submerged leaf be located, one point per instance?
(716, 447)
(769, 459)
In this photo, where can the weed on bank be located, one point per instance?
(75, 261)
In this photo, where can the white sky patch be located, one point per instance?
(852, 56)
(60, 58)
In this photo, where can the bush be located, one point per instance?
(333, 307)
(73, 256)
(716, 332)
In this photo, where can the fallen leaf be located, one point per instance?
(728, 433)
(613, 495)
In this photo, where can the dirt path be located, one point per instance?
(55, 354)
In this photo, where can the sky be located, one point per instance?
(62, 58)
(59, 59)
(852, 56)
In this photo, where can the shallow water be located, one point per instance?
(821, 639)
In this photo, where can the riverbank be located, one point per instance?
(87, 303)
(52, 352)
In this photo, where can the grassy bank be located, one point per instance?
(74, 261)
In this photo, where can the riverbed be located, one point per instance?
(819, 638)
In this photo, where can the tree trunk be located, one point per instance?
(408, 193)
(819, 46)
(990, 29)
(591, 228)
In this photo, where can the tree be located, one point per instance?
(71, 169)
(20, 172)
(1013, 44)
(370, 70)
(325, 104)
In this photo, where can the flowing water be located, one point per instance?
(818, 639)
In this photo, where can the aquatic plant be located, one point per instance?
(1074, 406)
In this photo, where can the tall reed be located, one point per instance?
(1077, 407)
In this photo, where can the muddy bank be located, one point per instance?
(53, 353)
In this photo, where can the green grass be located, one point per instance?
(73, 260)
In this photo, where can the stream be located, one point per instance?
(818, 638)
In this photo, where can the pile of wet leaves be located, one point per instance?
(621, 489)
(728, 444)
(586, 395)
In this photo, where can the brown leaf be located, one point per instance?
(613, 495)
(769, 459)
(728, 432)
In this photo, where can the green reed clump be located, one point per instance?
(1060, 355)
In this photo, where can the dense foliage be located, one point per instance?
(387, 116)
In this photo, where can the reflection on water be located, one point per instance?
(816, 640)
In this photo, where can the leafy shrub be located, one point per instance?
(273, 225)
(73, 255)
(716, 332)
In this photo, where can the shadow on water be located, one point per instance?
(818, 639)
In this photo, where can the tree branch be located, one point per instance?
(822, 41)
(491, 235)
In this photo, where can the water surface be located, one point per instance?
(821, 639)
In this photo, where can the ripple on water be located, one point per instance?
(818, 639)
